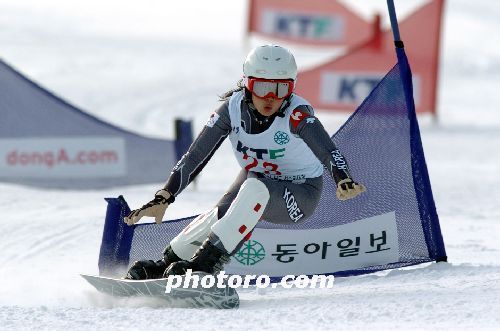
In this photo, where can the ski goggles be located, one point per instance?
(265, 88)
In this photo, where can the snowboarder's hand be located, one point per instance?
(348, 189)
(155, 208)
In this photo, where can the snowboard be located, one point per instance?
(214, 297)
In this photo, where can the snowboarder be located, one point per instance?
(282, 149)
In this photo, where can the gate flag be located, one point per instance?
(313, 22)
(381, 229)
(344, 82)
(47, 142)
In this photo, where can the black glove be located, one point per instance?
(155, 208)
(348, 189)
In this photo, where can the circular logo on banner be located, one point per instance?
(281, 138)
(250, 253)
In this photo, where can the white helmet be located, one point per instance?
(270, 62)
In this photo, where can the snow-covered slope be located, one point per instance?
(139, 67)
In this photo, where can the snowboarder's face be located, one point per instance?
(266, 106)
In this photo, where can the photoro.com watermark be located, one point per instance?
(222, 280)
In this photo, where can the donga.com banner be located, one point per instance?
(65, 157)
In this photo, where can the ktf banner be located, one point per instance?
(350, 88)
(344, 82)
(317, 22)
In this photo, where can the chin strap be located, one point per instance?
(284, 106)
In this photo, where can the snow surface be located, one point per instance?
(141, 65)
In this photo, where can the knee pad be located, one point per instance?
(190, 239)
(243, 214)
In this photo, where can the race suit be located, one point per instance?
(288, 151)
